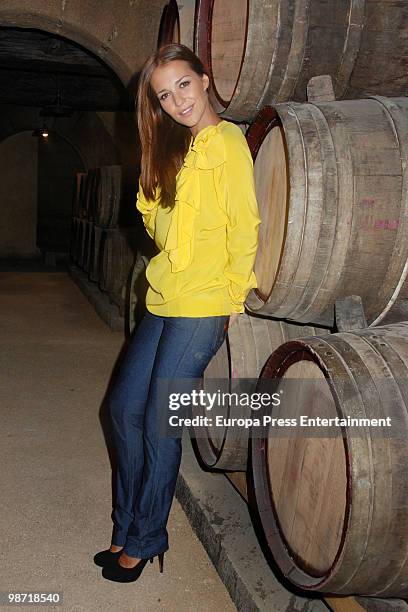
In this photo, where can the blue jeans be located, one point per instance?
(147, 463)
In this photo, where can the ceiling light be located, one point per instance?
(41, 133)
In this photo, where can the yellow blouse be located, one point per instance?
(208, 241)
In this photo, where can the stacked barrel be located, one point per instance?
(137, 289)
(333, 507)
(331, 176)
(177, 23)
(99, 246)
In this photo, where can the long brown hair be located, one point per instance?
(164, 142)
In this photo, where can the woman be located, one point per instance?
(197, 198)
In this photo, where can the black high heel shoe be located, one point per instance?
(106, 557)
(117, 573)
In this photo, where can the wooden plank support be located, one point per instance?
(320, 89)
(343, 604)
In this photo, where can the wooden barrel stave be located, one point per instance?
(73, 239)
(318, 228)
(285, 65)
(81, 197)
(351, 49)
(84, 242)
(107, 279)
(397, 268)
(364, 456)
(78, 242)
(95, 253)
(321, 236)
(96, 176)
(388, 358)
(109, 195)
(88, 245)
(76, 207)
(89, 193)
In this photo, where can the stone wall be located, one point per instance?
(18, 196)
(120, 32)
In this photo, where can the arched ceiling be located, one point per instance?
(35, 65)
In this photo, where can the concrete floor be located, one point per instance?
(56, 360)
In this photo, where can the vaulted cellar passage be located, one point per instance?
(63, 112)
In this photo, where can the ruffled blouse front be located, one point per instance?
(179, 243)
(202, 181)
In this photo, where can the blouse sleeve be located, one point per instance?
(243, 219)
(148, 208)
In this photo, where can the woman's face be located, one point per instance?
(182, 94)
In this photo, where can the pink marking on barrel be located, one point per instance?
(393, 224)
(390, 224)
(367, 202)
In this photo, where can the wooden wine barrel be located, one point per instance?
(108, 197)
(72, 238)
(78, 242)
(117, 261)
(94, 194)
(334, 506)
(262, 53)
(82, 201)
(177, 23)
(94, 263)
(76, 205)
(331, 181)
(83, 246)
(89, 193)
(249, 342)
(73, 235)
(137, 289)
(169, 30)
(87, 245)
